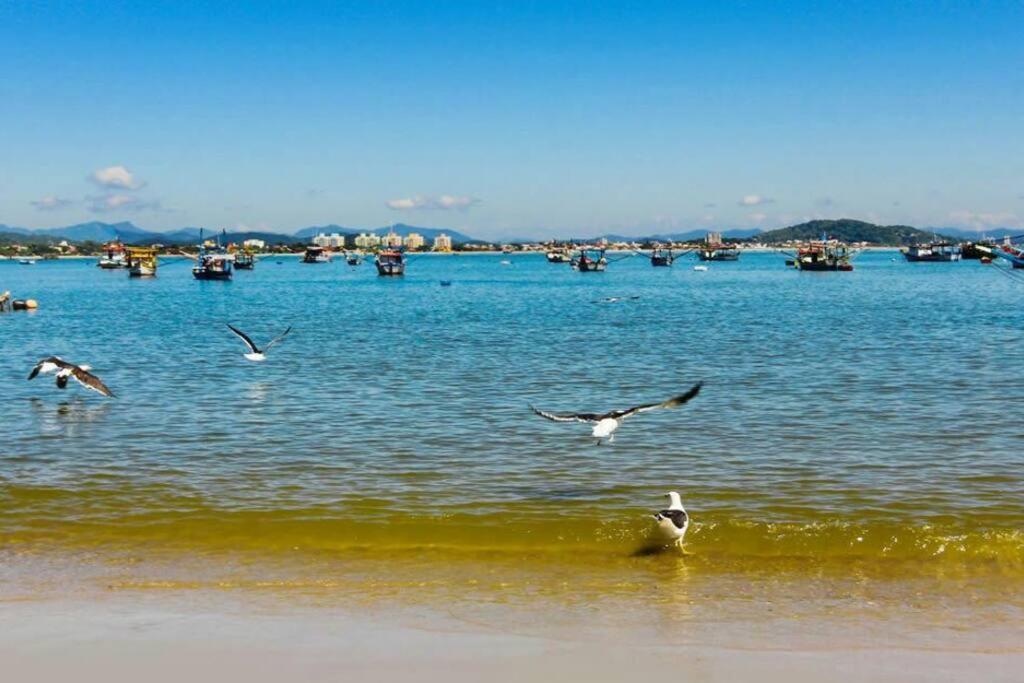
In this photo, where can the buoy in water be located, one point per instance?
(24, 304)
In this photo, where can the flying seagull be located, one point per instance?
(255, 353)
(605, 424)
(66, 370)
(672, 521)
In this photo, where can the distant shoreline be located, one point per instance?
(269, 254)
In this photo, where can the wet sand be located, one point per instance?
(203, 637)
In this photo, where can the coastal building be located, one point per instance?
(393, 240)
(367, 240)
(332, 241)
(254, 244)
(442, 242)
(713, 238)
(414, 240)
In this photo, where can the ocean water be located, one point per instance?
(867, 419)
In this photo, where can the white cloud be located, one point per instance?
(407, 204)
(757, 217)
(984, 220)
(116, 176)
(444, 202)
(120, 202)
(755, 200)
(51, 203)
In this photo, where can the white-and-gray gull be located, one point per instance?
(672, 521)
(256, 353)
(66, 371)
(605, 424)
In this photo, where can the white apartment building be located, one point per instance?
(442, 242)
(367, 240)
(332, 241)
(414, 240)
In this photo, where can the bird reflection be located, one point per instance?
(257, 391)
(67, 418)
(673, 588)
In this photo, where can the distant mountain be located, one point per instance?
(313, 231)
(12, 230)
(180, 236)
(845, 229)
(732, 233)
(692, 235)
(965, 234)
(849, 230)
(399, 229)
(268, 237)
(9, 237)
(98, 232)
(428, 233)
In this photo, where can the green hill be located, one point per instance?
(849, 230)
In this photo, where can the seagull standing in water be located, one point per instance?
(605, 424)
(672, 521)
(66, 371)
(255, 353)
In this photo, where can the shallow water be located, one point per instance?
(861, 419)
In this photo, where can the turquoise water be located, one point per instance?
(871, 414)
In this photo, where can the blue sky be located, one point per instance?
(525, 118)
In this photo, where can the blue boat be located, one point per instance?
(212, 263)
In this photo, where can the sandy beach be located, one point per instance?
(199, 636)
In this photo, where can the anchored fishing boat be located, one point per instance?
(28, 260)
(142, 262)
(824, 255)
(354, 258)
(933, 252)
(662, 257)
(213, 261)
(316, 254)
(114, 255)
(718, 252)
(245, 260)
(557, 255)
(589, 261)
(390, 262)
(1008, 251)
(977, 250)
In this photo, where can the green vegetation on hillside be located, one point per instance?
(849, 230)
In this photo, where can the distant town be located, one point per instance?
(57, 242)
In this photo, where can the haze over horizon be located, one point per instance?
(511, 121)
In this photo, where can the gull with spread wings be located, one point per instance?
(605, 424)
(66, 371)
(256, 353)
